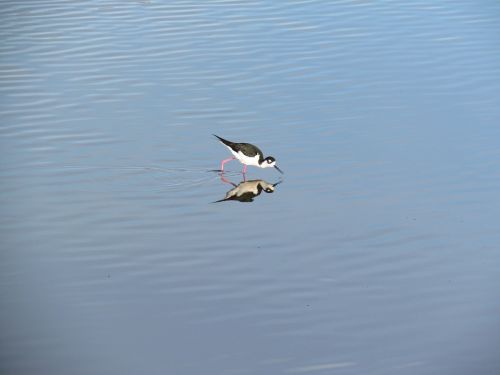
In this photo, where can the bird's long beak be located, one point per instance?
(279, 170)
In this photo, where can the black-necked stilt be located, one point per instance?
(246, 191)
(247, 154)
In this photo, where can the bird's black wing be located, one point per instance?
(248, 149)
(225, 141)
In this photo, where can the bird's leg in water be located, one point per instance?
(224, 162)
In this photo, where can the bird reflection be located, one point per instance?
(246, 191)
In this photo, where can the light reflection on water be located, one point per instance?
(377, 255)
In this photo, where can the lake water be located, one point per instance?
(378, 251)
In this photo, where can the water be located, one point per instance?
(378, 251)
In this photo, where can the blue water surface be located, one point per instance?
(378, 251)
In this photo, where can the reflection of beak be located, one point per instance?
(279, 170)
(277, 183)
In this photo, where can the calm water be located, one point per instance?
(377, 253)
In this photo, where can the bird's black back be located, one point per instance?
(245, 148)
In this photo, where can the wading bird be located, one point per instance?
(247, 154)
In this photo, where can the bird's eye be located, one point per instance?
(269, 161)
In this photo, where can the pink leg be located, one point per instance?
(226, 181)
(245, 169)
(224, 162)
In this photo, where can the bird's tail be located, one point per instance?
(225, 141)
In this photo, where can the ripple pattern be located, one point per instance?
(384, 117)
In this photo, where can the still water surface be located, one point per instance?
(376, 253)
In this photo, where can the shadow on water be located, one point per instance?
(246, 191)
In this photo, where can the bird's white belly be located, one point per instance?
(254, 160)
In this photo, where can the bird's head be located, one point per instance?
(270, 162)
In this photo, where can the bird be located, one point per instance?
(246, 191)
(247, 154)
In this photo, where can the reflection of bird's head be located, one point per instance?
(266, 186)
